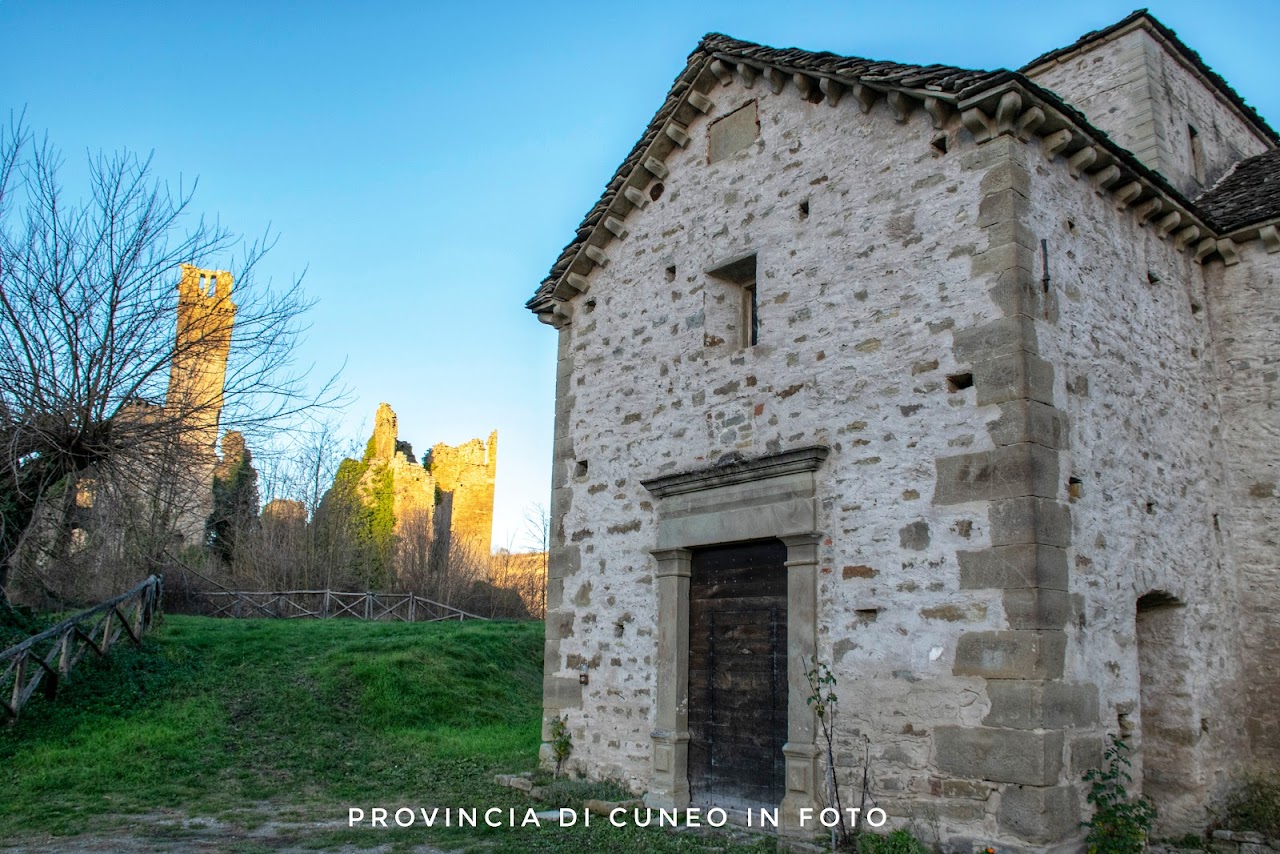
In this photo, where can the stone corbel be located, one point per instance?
(1007, 111)
(1128, 194)
(901, 105)
(1148, 209)
(775, 78)
(1028, 123)
(596, 254)
(1082, 160)
(865, 95)
(1168, 223)
(656, 168)
(748, 74)
(617, 226)
(677, 133)
(1104, 178)
(701, 102)
(831, 90)
(636, 196)
(937, 111)
(1229, 252)
(978, 123)
(722, 71)
(563, 315)
(1055, 143)
(1183, 238)
(804, 85)
(1270, 239)
(1205, 248)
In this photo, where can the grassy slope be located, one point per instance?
(219, 717)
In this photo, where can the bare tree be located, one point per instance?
(87, 334)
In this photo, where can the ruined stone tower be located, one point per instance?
(201, 347)
(466, 474)
(453, 492)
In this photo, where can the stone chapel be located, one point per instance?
(961, 382)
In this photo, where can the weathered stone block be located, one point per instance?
(999, 206)
(1008, 472)
(966, 789)
(1007, 175)
(561, 692)
(1029, 421)
(1039, 814)
(1004, 256)
(1029, 519)
(564, 561)
(1028, 704)
(1014, 566)
(998, 338)
(1037, 608)
(1013, 654)
(1001, 755)
(1018, 376)
(1086, 753)
(559, 624)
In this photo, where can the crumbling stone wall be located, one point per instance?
(459, 483)
(468, 473)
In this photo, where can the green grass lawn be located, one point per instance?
(244, 721)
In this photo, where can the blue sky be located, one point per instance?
(426, 162)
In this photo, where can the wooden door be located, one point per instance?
(738, 674)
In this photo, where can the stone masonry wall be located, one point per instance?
(1244, 312)
(1145, 98)
(1141, 474)
(877, 245)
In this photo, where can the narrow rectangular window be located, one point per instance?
(1197, 154)
(738, 323)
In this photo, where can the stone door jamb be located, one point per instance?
(774, 497)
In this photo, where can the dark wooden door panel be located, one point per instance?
(738, 674)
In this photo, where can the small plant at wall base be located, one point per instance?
(561, 742)
(822, 697)
(1120, 823)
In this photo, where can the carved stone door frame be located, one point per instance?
(774, 496)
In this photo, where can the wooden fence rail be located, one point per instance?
(52, 653)
(324, 604)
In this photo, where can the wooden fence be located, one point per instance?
(324, 604)
(52, 653)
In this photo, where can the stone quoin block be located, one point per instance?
(1017, 376)
(1031, 704)
(1029, 519)
(1014, 566)
(1039, 814)
(1000, 755)
(1012, 654)
(1008, 472)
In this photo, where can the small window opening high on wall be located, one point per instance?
(741, 272)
